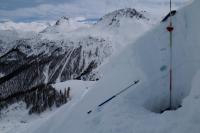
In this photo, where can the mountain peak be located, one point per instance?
(127, 12)
(115, 17)
(62, 20)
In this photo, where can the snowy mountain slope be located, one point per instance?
(136, 110)
(58, 61)
(64, 54)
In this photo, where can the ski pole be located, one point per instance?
(114, 96)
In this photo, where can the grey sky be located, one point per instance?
(15, 4)
(30, 10)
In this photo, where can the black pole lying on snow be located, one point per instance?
(109, 99)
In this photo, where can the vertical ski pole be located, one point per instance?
(170, 29)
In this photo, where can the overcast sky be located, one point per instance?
(30, 10)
